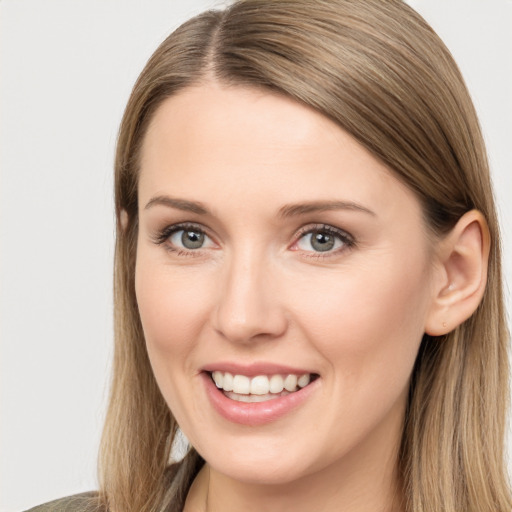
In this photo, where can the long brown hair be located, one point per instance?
(378, 70)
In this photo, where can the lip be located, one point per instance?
(255, 369)
(256, 413)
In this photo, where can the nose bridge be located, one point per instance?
(248, 305)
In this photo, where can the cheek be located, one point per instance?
(368, 323)
(367, 326)
(168, 303)
(168, 306)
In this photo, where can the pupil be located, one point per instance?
(192, 239)
(321, 241)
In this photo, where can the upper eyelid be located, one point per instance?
(309, 228)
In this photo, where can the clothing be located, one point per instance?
(84, 502)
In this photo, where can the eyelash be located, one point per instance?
(163, 236)
(346, 239)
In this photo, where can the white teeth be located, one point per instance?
(241, 384)
(290, 383)
(302, 382)
(261, 385)
(218, 378)
(228, 382)
(255, 398)
(276, 384)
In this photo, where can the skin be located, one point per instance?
(257, 291)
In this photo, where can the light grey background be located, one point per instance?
(67, 67)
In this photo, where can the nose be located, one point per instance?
(249, 305)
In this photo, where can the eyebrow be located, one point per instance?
(321, 206)
(179, 204)
(289, 210)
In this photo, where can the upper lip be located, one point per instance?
(254, 369)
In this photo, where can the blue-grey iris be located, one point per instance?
(192, 239)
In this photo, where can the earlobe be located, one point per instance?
(462, 269)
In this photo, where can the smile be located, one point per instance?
(260, 388)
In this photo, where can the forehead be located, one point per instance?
(215, 143)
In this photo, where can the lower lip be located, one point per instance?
(256, 413)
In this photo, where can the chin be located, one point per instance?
(258, 461)
(259, 473)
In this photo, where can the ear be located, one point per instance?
(461, 274)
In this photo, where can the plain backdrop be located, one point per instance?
(67, 67)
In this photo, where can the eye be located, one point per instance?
(188, 239)
(184, 238)
(323, 239)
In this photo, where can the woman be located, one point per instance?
(307, 275)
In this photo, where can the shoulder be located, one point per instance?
(85, 502)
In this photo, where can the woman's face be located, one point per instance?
(274, 251)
